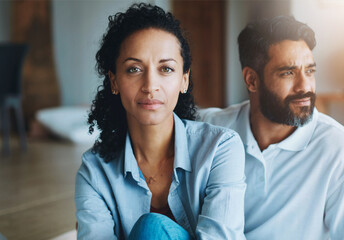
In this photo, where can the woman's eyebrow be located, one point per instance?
(138, 60)
(132, 59)
(167, 60)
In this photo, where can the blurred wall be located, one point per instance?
(77, 29)
(237, 18)
(326, 18)
(5, 20)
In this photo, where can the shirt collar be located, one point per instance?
(130, 163)
(181, 153)
(300, 138)
(297, 141)
(243, 126)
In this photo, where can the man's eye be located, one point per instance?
(310, 71)
(133, 70)
(167, 69)
(288, 73)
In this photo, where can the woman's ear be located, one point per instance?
(251, 79)
(114, 87)
(185, 83)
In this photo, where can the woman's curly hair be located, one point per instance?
(107, 112)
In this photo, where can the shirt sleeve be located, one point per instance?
(94, 218)
(334, 209)
(222, 214)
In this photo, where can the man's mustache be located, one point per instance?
(298, 96)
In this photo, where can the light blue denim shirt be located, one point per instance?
(206, 195)
(295, 188)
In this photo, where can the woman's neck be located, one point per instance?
(152, 143)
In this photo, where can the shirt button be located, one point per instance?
(261, 179)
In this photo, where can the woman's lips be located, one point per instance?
(150, 104)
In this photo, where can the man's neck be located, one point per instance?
(267, 132)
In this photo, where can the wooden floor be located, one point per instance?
(37, 189)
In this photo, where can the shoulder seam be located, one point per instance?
(96, 180)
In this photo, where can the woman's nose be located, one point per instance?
(150, 82)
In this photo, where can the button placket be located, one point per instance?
(269, 155)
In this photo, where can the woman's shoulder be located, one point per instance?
(90, 163)
(94, 162)
(208, 136)
(94, 167)
(91, 157)
(210, 145)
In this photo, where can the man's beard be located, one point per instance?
(278, 110)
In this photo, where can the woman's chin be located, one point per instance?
(151, 119)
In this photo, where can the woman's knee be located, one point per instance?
(152, 220)
(157, 226)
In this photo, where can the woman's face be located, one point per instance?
(149, 76)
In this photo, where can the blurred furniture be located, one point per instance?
(11, 60)
(205, 24)
(324, 100)
(68, 122)
(31, 23)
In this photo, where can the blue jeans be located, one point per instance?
(154, 226)
(2, 237)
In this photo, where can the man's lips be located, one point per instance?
(302, 101)
(150, 104)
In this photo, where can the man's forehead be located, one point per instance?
(290, 52)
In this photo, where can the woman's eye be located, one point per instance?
(167, 69)
(133, 70)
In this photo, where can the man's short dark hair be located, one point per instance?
(256, 38)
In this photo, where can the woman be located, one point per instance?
(149, 159)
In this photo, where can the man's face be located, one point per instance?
(287, 92)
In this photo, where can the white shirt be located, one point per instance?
(295, 188)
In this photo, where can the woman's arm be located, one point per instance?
(94, 218)
(222, 214)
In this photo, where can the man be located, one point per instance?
(294, 154)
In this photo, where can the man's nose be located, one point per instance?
(150, 82)
(304, 83)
